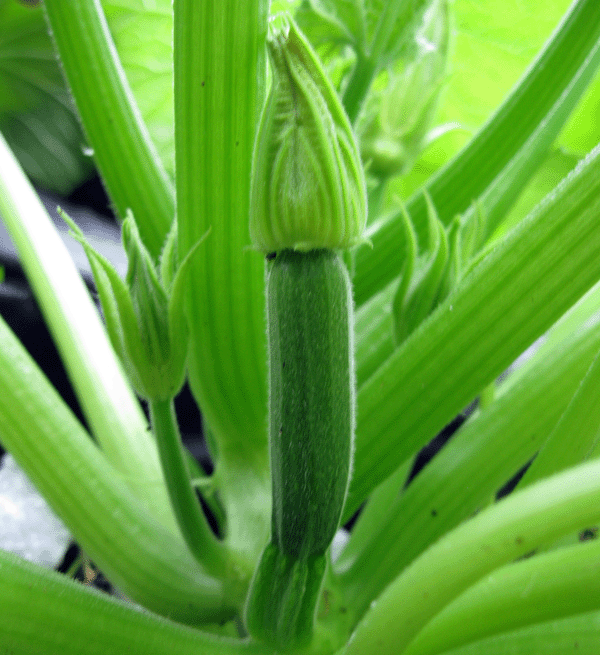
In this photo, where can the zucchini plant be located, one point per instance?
(333, 309)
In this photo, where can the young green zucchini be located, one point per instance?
(309, 312)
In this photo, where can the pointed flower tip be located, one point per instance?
(308, 186)
(159, 356)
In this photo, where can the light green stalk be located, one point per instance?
(219, 78)
(109, 405)
(507, 530)
(123, 150)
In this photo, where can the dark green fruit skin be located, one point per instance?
(309, 311)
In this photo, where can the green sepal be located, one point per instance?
(149, 300)
(169, 257)
(177, 320)
(282, 600)
(415, 301)
(117, 308)
(465, 241)
(308, 187)
(410, 259)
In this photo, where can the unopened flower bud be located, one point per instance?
(308, 187)
(397, 124)
(144, 314)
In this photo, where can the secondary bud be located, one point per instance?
(308, 187)
(397, 124)
(144, 314)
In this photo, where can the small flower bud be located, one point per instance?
(397, 124)
(144, 314)
(308, 187)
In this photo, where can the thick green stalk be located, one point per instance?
(576, 434)
(219, 74)
(578, 634)
(541, 91)
(516, 293)
(549, 586)
(43, 613)
(480, 458)
(145, 561)
(516, 525)
(500, 196)
(123, 150)
(110, 406)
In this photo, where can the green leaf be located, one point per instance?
(37, 116)
(495, 42)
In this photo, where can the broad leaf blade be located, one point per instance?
(37, 116)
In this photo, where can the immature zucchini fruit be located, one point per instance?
(308, 198)
(312, 402)
(311, 423)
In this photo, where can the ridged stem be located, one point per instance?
(512, 297)
(220, 67)
(123, 150)
(516, 525)
(467, 176)
(145, 561)
(43, 612)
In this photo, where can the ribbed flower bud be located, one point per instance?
(308, 187)
(144, 314)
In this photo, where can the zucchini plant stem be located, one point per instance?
(202, 542)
